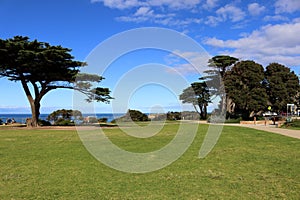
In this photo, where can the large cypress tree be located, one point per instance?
(282, 86)
(244, 85)
(43, 67)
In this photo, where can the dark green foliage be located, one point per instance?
(214, 77)
(64, 114)
(292, 124)
(44, 123)
(64, 122)
(133, 115)
(243, 84)
(173, 116)
(221, 64)
(44, 68)
(282, 86)
(198, 95)
(1, 122)
(102, 120)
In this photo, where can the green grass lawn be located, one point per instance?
(245, 164)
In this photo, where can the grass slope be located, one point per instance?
(245, 164)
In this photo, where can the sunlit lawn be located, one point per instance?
(245, 164)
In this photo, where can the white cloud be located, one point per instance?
(210, 4)
(287, 6)
(271, 43)
(173, 4)
(255, 9)
(146, 14)
(275, 18)
(119, 4)
(230, 12)
(195, 62)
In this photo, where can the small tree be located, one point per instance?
(216, 76)
(41, 68)
(198, 95)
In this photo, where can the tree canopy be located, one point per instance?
(243, 84)
(64, 114)
(41, 68)
(198, 95)
(282, 86)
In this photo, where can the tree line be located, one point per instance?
(249, 88)
(244, 86)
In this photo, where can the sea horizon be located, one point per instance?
(21, 117)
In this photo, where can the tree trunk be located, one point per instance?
(35, 112)
(205, 111)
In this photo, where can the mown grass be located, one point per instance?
(245, 164)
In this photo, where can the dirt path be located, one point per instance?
(281, 131)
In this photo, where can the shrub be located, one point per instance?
(133, 115)
(64, 122)
(102, 120)
(293, 123)
(44, 123)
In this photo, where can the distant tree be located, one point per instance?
(133, 115)
(64, 114)
(282, 86)
(41, 68)
(215, 77)
(244, 85)
(136, 115)
(173, 116)
(198, 95)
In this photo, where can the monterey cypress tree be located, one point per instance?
(244, 85)
(43, 67)
(282, 86)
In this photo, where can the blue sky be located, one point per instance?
(264, 31)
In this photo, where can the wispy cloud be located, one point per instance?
(271, 43)
(194, 62)
(226, 13)
(173, 4)
(287, 6)
(255, 9)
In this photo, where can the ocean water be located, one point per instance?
(21, 118)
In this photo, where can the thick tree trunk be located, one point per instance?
(35, 112)
(34, 103)
(205, 111)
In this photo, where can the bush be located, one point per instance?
(64, 122)
(234, 120)
(173, 116)
(1, 122)
(102, 120)
(44, 123)
(294, 124)
(132, 115)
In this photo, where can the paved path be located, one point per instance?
(282, 131)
